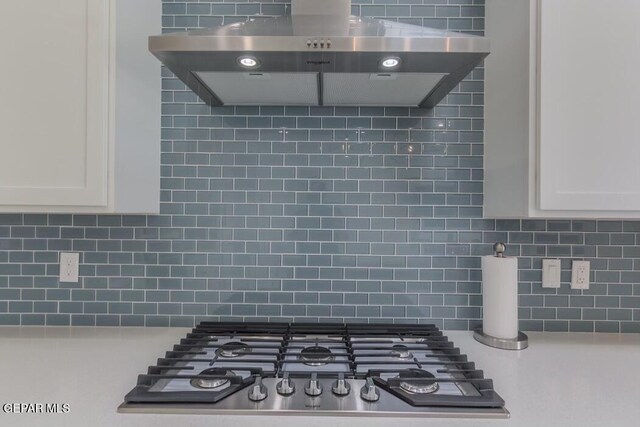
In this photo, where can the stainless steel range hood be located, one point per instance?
(320, 55)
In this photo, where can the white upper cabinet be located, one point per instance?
(562, 133)
(79, 106)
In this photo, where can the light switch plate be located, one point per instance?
(69, 266)
(580, 271)
(551, 270)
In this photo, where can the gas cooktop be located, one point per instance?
(315, 369)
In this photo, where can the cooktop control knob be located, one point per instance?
(258, 392)
(313, 387)
(370, 392)
(286, 387)
(340, 386)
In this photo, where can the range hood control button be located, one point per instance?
(315, 43)
(309, 43)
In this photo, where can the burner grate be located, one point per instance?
(415, 363)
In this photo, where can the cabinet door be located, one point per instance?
(589, 129)
(54, 101)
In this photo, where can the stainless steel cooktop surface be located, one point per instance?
(316, 369)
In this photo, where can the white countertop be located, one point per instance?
(561, 380)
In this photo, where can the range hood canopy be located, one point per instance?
(320, 55)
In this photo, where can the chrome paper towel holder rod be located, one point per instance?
(519, 343)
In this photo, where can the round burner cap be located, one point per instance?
(401, 351)
(211, 383)
(233, 349)
(316, 356)
(421, 382)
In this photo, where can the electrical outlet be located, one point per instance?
(580, 271)
(69, 266)
(551, 273)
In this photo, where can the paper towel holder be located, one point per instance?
(519, 343)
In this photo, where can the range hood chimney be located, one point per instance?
(320, 55)
(318, 18)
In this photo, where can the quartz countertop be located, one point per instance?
(560, 380)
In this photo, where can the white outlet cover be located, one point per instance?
(580, 272)
(551, 270)
(69, 266)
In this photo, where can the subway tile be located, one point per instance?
(298, 212)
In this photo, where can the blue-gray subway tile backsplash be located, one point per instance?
(315, 214)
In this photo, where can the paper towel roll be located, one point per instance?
(500, 297)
